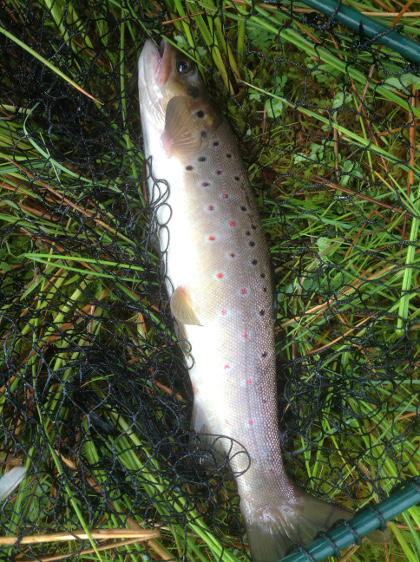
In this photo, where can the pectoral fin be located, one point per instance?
(181, 137)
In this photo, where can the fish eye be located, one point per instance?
(183, 67)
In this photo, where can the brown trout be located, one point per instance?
(218, 274)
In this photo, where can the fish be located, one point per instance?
(218, 274)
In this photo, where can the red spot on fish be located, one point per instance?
(212, 238)
(232, 255)
(219, 275)
(271, 471)
(211, 208)
(223, 311)
(243, 291)
(227, 366)
(219, 172)
(250, 422)
(232, 223)
(205, 183)
(248, 381)
(244, 335)
(225, 196)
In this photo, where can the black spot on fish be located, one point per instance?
(247, 233)
(202, 159)
(264, 354)
(237, 178)
(228, 155)
(193, 91)
(252, 244)
(216, 143)
(262, 275)
(254, 262)
(200, 114)
(203, 134)
(189, 168)
(253, 227)
(243, 208)
(262, 312)
(265, 289)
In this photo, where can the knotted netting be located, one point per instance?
(95, 397)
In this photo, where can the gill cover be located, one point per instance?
(189, 116)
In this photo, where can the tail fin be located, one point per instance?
(272, 529)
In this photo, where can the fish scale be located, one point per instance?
(218, 277)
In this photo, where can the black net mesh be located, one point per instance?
(95, 398)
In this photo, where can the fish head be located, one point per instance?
(166, 74)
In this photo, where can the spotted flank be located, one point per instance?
(220, 287)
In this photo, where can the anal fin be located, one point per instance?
(182, 336)
(208, 447)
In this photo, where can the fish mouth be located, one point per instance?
(164, 66)
(157, 62)
(162, 47)
(155, 68)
